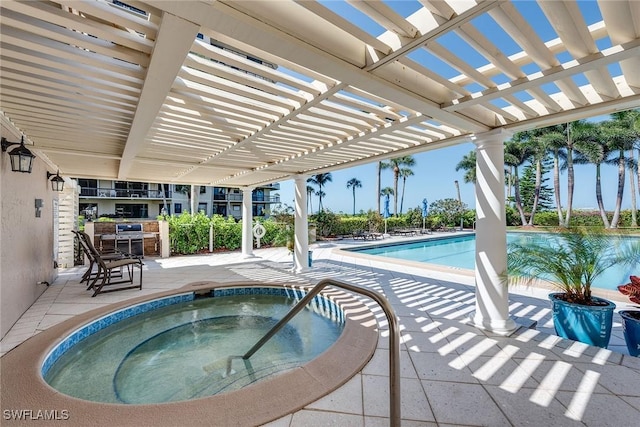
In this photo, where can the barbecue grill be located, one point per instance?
(130, 238)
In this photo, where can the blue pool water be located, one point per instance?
(459, 252)
(180, 350)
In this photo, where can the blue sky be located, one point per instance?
(435, 170)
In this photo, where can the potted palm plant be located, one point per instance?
(631, 318)
(571, 263)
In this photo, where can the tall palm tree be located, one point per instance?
(592, 150)
(395, 165)
(620, 136)
(320, 180)
(354, 183)
(517, 154)
(404, 173)
(468, 165)
(555, 139)
(379, 170)
(539, 148)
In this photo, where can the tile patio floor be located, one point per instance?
(452, 374)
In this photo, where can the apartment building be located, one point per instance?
(140, 200)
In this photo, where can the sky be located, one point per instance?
(434, 170)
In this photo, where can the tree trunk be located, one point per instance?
(396, 174)
(603, 213)
(570, 185)
(516, 184)
(404, 183)
(556, 188)
(621, 177)
(378, 189)
(632, 190)
(536, 192)
(354, 200)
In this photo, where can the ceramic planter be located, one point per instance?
(588, 324)
(631, 329)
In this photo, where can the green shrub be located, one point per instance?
(546, 219)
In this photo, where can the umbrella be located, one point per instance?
(386, 213)
(425, 210)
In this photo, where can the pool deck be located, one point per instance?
(452, 374)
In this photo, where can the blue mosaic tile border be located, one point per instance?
(319, 304)
(108, 320)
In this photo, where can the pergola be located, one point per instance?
(243, 93)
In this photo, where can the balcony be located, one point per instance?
(112, 193)
(233, 197)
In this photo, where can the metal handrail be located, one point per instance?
(394, 337)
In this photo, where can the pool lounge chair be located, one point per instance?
(110, 272)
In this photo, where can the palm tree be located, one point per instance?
(592, 150)
(320, 180)
(379, 169)
(620, 136)
(404, 173)
(354, 183)
(555, 139)
(515, 155)
(468, 165)
(395, 165)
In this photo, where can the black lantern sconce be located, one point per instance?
(57, 182)
(21, 157)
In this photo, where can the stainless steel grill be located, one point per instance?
(130, 238)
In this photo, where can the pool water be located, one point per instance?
(459, 252)
(180, 351)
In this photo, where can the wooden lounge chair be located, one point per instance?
(110, 273)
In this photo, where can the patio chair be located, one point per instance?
(109, 272)
(90, 273)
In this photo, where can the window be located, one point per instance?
(88, 187)
(132, 210)
(219, 193)
(258, 210)
(203, 189)
(177, 207)
(220, 209)
(202, 207)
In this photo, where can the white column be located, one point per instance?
(301, 225)
(247, 223)
(492, 295)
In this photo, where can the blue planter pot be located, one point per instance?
(588, 324)
(631, 329)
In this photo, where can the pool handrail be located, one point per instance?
(394, 337)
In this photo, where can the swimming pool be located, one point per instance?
(178, 348)
(459, 252)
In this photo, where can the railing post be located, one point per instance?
(394, 338)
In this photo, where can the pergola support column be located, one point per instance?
(301, 226)
(247, 222)
(492, 295)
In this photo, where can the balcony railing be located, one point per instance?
(232, 197)
(113, 193)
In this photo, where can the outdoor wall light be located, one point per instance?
(21, 157)
(57, 182)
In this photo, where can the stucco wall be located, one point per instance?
(26, 242)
